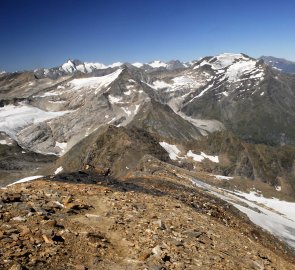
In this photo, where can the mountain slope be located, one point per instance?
(162, 121)
(279, 64)
(80, 221)
(249, 98)
(112, 150)
(272, 165)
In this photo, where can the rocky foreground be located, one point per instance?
(85, 221)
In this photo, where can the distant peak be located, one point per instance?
(157, 64)
(137, 64)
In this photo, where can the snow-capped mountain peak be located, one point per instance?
(157, 64)
(116, 64)
(72, 66)
(137, 64)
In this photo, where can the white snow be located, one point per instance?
(58, 170)
(278, 188)
(157, 64)
(117, 64)
(160, 84)
(171, 149)
(222, 177)
(56, 101)
(49, 94)
(128, 93)
(137, 64)
(26, 179)
(273, 215)
(14, 118)
(234, 66)
(62, 146)
(212, 158)
(201, 157)
(68, 67)
(195, 157)
(178, 83)
(114, 99)
(174, 153)
(85, 67)
(89, 67)
(188, 82)
(203, 91)
(261, 94)
(283, 207)
(127, 111)
(5, 142)
(226, 59)
(136, 109)
(94, 82)
(234, 72)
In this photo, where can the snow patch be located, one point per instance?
(117, 64)
(171, 149)
(58, 170)
(128, 93)
(136, 109)
(222, 177)
(226, 59)
(195, 157)
(157, 64)
(15, 118)
(234, 72)
(94, 82)
(283, 207)
(273, 215)
(62, 146)
(160, 84)
(26, 179)
(5, 142)
(113, 99)
(201, 157)
(138, 65)
(127, 111)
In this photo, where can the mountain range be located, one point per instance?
(48, 111)
(224, 123)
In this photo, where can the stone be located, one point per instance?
(160, 224)
(16, 267)
(47, 239)
(19, 218)
(50, 223)
(157, 250)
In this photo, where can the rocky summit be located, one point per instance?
(159, 165)
(82, 221)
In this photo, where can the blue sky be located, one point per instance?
(46, 33)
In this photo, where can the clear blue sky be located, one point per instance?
(46, 33)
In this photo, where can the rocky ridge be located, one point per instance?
(91, 222)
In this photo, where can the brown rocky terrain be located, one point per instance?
(160, 221)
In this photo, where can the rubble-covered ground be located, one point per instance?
(85, 221)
